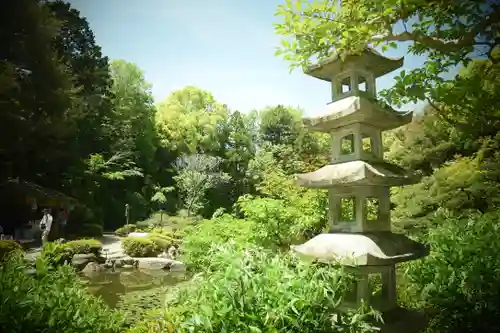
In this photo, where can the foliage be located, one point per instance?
(84, 246)
(135, 306)
(152, 323)
(126, 229)
(458, 283)
(57, 253)
(448, 35)
(50, 301)
(160, 197)
(274, 222)
(197, 174)
(171, 222)
(163, 240)
(142, 246)
(38, 94)
(274, 182)
(458, 185)
(7, 247)
(189, 120)
(279, 125)
(200, 238)
(255, 291)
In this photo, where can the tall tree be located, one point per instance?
(76, 45)
(37, 94)
(190, 120)
(279, 124)
(133, 127)
(450, 34)
(197, 174)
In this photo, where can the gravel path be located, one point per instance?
(112, 247)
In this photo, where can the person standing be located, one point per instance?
(45, 225)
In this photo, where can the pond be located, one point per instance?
(111, 286)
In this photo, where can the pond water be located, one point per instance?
(111, 286)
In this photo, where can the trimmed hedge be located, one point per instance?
(141, 247)
(57, 253)
(84, 246)
(126, 229)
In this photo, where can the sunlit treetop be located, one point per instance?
(449, 33)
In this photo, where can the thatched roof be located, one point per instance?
(40, 193)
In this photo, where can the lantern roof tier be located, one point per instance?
(368, 59)
(362, 249)
(356, 173)
(358, 109)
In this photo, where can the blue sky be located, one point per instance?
(223, 46)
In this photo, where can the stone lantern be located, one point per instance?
(358, 180)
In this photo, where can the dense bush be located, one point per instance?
(459, 282)
(84, 246)
(255, 291)
(271, 223)
(126, 229)
(164, 220)
(50, 301)
(162, 240)
(141, 247)
(200, 238)
(173, 237)
(57, 253)
(275, 221)
(7, 247)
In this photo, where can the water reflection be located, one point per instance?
(112, 285)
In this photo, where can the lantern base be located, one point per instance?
(402, 320)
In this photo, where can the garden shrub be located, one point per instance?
(172, 222)
(55, 253)
(200, 238)
(459, 282)
(141, 247)
(84, 246)
(126, 229)
(53, 300)
(179, 234)
(58, 253)
(255, 291)
(163, 241)
(7, 247)
(276, 224)
(175, 237)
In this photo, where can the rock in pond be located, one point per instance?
(92, 268)
(80, 261)
(160, 263)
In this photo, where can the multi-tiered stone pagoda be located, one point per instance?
(358, 179)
